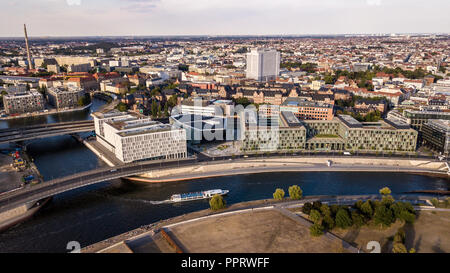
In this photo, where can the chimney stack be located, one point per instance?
(30, 64)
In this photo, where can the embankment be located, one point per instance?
(300, 164)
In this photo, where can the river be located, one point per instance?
(97, 212)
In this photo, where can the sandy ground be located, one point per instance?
(161, 241)
(270, 231)
(9, 178)
(150, 244)
(253, 232)
(429, 234)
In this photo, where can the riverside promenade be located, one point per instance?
(294, 164)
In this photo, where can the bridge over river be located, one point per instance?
(45, 130)
(41, 191)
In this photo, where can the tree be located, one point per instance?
(357, 219)
(325, 210)
(81, 101)
(242, 101)
(278, 194)
(316, 230)
(295, 193)
(385, 191)
(166, 110)
(400, 236)
(334, 209)
(358, 205)
(328, 221)
(399, 248)
(306, 209)
(387, 198)
(383, 216)
(242, 50)
(435, 202)
(217, 202)
(343, 220)
(183, 67)
(404, 211)
(317, 205)
(154, 109)
(315, 216)
(122, 107)
(173, 100)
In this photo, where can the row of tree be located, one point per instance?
(380, 213)
(295, 193)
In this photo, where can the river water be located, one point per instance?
(97, 212)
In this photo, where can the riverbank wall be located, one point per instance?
(50, 112)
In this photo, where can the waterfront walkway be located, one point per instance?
(299, 164)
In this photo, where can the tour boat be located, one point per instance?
(197, 195)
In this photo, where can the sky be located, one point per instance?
(221, 17)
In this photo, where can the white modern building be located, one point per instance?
(209, 108)
(133, 138)
(263, 64)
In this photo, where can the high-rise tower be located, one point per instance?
(263, 64)
(30, 64)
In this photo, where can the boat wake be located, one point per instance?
(160, 202)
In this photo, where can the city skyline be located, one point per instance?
(181, 17)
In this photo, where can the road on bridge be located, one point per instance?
(45, 130)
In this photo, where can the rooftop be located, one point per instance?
(350, 121)
(298, 102)
(290, 119)
(440, 124)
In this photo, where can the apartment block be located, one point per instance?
(62, 98)
(23, 102)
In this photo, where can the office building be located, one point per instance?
(308, 110)
(417, 118)
(436, 135)
(263, 64)
(269, 134)
(201, 129)
(133, 138)
(342, 133)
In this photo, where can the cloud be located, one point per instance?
(374, 2)
(73, 2)
(140, 6)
